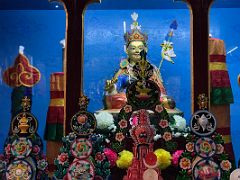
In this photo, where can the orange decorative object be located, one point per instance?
(116, 101)
(21, 73)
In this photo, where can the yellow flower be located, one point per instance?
(125, 159)
(164, 158)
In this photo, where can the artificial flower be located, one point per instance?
(112, 128)
(128, 108)
(175, 157)
(226, 165)
(119, 137)
(219, 149)
(163, 123)
(104, 120)
(167, 136)
(125, 159)
(111, 156)
(62, 158)
(190, 146)
(180, 122)
(157, 137)
(122, 124)
(163, 157)
(185, 163)
(42, 164)
(134, 120)
(159, 108)
(99, 157)
(36, 149)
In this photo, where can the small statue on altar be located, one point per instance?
(136, 42)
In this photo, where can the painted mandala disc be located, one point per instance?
(203, 123)
(19, 169)
(83, 123)
(21, 147)
(205, 147)
(81, 148)
(206, 169)
(81, 169)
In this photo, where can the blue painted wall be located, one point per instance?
(41, 31)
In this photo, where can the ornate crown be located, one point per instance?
(135, 34)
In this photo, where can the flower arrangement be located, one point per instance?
(188, 161)
(99, 157)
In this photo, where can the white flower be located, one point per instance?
(157, 137)
(177, 134)
(180, 122)
(112, 128)
(104, 120)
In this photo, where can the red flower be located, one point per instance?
(159, 108)
(62, 158)
(119, 137)
(167, 136)
(99, 157)
(128, 108)
(163, 123)
(122, 123)
(190, 146)
(185, 163)
(36, 149)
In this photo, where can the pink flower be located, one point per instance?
(8, 149)
(111, 156)
(185, 163)
(134, 121)
(122, 123)
(62, 158)
(163, 123)
(167, 136)
(226, 165)
(219, 149)
(128, 108)
(175, 157)
(99, 157)
(119, 137)
(36, 149)
(159, 108)
(190, 146)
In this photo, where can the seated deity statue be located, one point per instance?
(115, 89)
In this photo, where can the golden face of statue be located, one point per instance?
(134, 49)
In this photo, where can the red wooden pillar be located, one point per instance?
(199, 44)
(73, 65)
